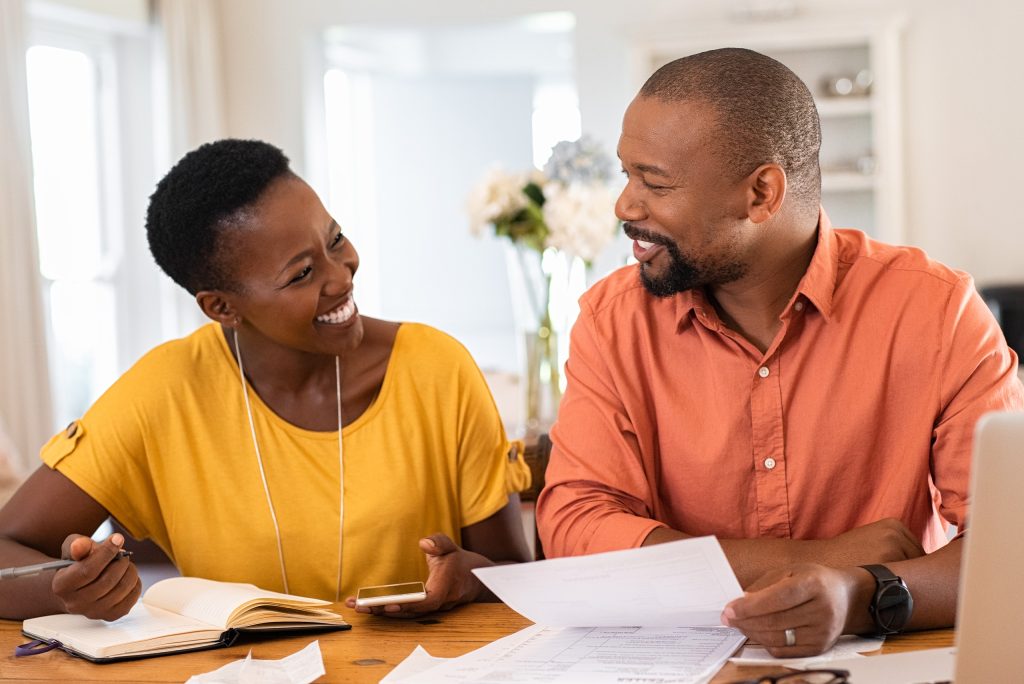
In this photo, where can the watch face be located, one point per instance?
(892, 606)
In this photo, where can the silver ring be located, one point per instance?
(790, 637)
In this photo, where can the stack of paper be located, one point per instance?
(650, 614)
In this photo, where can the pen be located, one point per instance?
(26, 570)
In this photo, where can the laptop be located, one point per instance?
(990, 613)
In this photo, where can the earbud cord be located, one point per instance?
(263, 475)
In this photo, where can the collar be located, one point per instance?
(818, 284)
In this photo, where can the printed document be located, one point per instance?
(650, 614)
(592, 655)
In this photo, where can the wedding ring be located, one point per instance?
(790, 637)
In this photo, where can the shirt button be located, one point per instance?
(763, 371)
(799, 306)
(769, 463)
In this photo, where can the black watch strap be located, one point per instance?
(892, 604)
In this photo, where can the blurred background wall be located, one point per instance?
(393, 109)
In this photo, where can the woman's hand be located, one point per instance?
(101, 585)
(814, 601)
(450, 581)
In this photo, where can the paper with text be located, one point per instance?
(684, 583)
(593, 655)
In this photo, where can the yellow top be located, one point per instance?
(167, 450)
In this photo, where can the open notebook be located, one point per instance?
(183, 614)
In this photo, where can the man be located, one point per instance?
(806, 394)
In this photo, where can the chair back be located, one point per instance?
(1007, 304)
(536, 455)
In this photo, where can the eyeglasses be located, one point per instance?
(805, 677)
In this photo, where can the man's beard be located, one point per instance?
(683, 273)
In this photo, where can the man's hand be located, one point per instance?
(101, 585)
(450, 581)
(814, 601)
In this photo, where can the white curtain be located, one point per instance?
(190, 94)
(25, 405)
(191, 60)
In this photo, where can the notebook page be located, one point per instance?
(142, 625)
(215, 602)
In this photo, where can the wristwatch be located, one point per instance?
(892, 603)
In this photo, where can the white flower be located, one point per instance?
(579, 161)
(581, 218)
(498, 194)
(569, 206)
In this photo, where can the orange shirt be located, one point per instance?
(862, 408)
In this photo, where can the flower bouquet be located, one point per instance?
(565, 213)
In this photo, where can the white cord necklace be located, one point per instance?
(263, 474)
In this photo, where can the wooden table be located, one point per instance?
(364, 654)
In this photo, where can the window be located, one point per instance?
(556, 117)
(90, 123)
(76, 255)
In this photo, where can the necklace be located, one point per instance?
(263, 474)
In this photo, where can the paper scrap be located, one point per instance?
(914, 667)
(415, 663)
(847, 646)
(301, 667)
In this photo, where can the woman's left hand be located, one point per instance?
(450, 581)
(810, 601)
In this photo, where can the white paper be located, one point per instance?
(301, 667)
(420, 660)
(847, 646)
(915, 667)
(678, 584)
(592, 655)
(416, 662)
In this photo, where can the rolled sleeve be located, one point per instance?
(597, 495)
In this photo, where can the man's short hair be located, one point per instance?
(188, 209)
(765, 113)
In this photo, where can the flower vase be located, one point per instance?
(543, 390)
(530, 275)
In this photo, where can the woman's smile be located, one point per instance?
(341, 314)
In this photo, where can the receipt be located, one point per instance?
(301, 667)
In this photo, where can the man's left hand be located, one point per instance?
(812, 600)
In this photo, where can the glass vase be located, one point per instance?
(530, 279)
(542, 391)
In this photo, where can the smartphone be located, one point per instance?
(381, 595)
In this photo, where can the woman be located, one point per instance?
(292, 443)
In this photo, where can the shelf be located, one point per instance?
(832, 107)
(859, 131)
(846, 181)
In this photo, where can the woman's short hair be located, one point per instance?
(194, 203)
